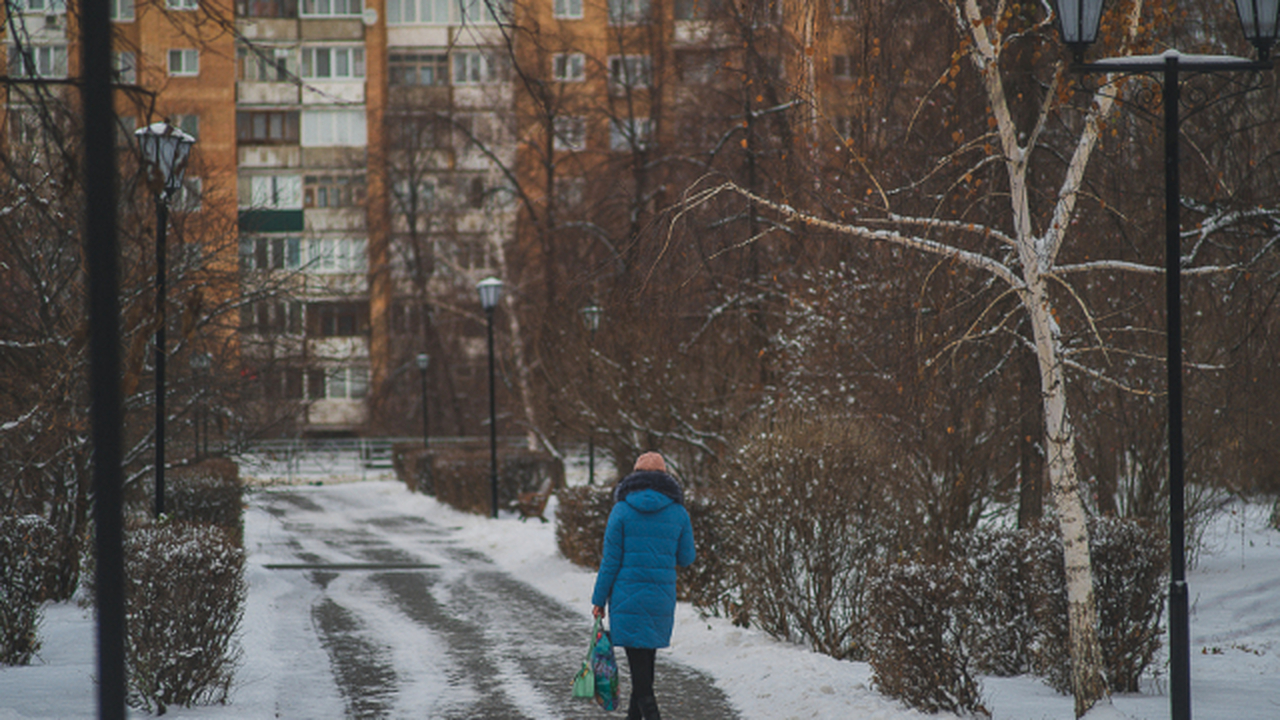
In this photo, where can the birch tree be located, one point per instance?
(1020, 251)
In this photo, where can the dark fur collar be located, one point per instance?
(649, 480)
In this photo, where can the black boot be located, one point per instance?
(633, 710)
(649, 708)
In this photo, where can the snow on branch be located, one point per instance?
(790, 214)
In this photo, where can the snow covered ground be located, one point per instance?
(1235, 630)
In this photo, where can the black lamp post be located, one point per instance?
(591, 316)
(424, 361)
(165, 150)
(1078, 23)
(490, 292)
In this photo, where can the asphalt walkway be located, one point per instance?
(501, 650)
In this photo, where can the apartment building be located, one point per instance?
(376, 158)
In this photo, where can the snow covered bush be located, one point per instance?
(916, 632)
(208, 492)
(25, 541)
(1019, 603)
(1129, 585)
(1003, 633)
(807, 503)
(581, 517)
(184, 599)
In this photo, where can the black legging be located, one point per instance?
(640, 660)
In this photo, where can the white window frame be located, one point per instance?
(122, 10)
(275, 192)
(183, 5)
(346, 383)
(330, 8)
(342, 62)
(567, 9)
(630, 71)
(570, 133)
(41, 61)
(623, 131)
(334, 256)
(45, 7)
(125, 65)
(334, 128)
(190, 196)
(630, 12)
(188, 62)
(569, 67)
(474, 67)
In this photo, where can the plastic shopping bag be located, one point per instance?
(605, 668)
(584, 683)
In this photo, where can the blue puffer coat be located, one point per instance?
(648, 535)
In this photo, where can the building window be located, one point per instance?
(49, 7)
(182, 4)
(472, 12)
(276, 318)
(121, 10)
(267, 126)
(43, 61)
(475, 68)
(430, 12)
(343, 384)
(571, 133)
(188, 123)
(126, 68)
(696, 9)
(332, 63)
(259, 64)
(271, 254)
(628, 12)
(418, 68)
(189, 196)
(184, 62)
(632, 134)
(842, 66)
(567, 9)
(415, 197)
(446, 12)
(699, 67)
(333, 191)
(328, 8)
(568, 67)
(629, 71)
(341, 128)
(337, 255)
(275, 192)
(267, 8)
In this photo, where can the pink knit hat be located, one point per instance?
(651, 461)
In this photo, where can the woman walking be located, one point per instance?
(648, 535)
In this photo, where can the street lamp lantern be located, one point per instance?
(424, 361)
(591, 317)
(165, 150)
(1259, 20)
(490, 292)
(1078, 22)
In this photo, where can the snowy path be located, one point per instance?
(416, 625)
